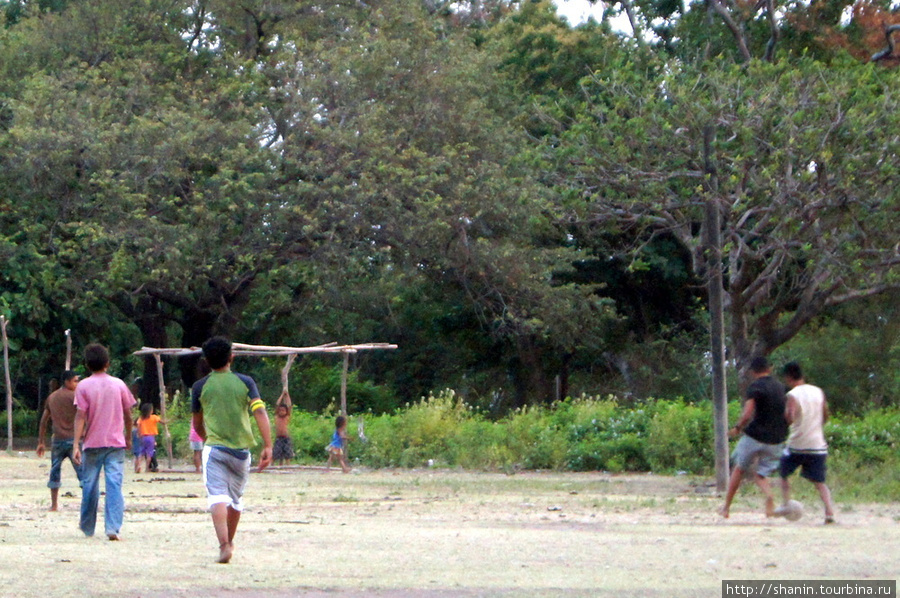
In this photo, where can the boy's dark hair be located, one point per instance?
(146, 410)
(760, 365)
(217, 352)
(96, 357)
(792, 370)
(67, 375)
(339, 421)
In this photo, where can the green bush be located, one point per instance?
(25, 422)
(480, 444)
(585, 434)
(623, 453)
(310, 433)
(680, 438)
(418, 433)
(535, 438)
(318, 385)
(604, 435)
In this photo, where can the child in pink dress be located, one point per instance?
(197, 447)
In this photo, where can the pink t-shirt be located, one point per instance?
(103, 399)
(193, 436)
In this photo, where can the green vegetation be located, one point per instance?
(516, 202)
(586, 434)
(519, 204)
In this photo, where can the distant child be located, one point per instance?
(197, 447)
(284, 447)
(147, 432)
(222, 403)
(337, 448)
(136, 439)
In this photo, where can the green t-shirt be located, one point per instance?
(226, 400)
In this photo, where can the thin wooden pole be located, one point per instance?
(344, 383)
(68, 350)
(263, 351)
(284, 372)
(9, 402)
(162, 406)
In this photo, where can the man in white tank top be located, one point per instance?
(806, 412)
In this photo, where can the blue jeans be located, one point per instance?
(60, 450)
(112, 460)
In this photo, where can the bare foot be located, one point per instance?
(113, 537)
(53, 508)
(225, 552)
(770, 507)
(723, 511)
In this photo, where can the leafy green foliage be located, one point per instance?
(24, 422)
(514, 201)
(585, 434)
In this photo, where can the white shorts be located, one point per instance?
(225, 476)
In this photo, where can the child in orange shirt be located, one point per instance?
(147, 432)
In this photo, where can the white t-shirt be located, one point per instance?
(806, 434)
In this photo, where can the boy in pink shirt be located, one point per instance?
(104, 405)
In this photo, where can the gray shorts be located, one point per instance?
(225, 476)
(757, 457)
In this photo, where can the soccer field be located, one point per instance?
(434, 533)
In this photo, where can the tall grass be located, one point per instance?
(582, 434)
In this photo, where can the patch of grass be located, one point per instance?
(344, 498)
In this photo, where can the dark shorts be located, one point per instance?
(283, 449)
(812, 465)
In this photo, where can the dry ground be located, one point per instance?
(432, 533)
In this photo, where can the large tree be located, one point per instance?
(803, 160)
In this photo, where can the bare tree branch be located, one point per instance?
(775, 32)
(735, 29)
(887, 52)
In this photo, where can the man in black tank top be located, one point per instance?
(764, 428)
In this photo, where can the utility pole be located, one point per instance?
(715, 291)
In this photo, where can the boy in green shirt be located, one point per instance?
(222, 403)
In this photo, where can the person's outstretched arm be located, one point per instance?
(265, 430)
(42, 432)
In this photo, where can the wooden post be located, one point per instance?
(344, 383)
(284, 373)
(9, 402)
(68, 349)
(162, 405)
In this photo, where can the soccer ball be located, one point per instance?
(792, 510)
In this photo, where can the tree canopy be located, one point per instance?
(514, 201)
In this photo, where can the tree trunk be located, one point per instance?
(197, 327)
(531, 382)
(153, 334)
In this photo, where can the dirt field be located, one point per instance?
(399, 533)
